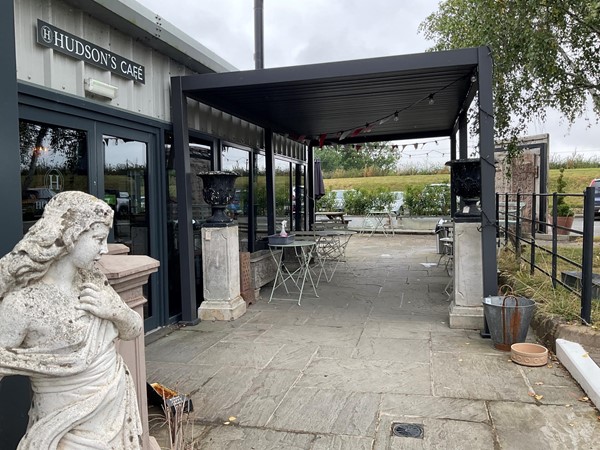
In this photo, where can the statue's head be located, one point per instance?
(70, 213)
(66, 216)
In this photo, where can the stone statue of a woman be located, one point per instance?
(59, 320)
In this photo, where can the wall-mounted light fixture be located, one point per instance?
(100, 88)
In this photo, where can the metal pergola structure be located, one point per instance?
(413, 96)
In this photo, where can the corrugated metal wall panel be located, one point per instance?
(29, 68)
(45, 67)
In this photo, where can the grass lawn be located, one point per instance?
(577, 180)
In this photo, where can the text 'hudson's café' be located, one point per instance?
(93, 89)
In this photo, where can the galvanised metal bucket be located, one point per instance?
(508, 318)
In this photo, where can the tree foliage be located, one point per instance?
(545, 53)
(379, 155)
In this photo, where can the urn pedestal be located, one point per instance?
(220, 252)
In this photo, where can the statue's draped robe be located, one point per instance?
(84, 396)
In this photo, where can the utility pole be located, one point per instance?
(259, 62)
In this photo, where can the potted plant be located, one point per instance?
(564, 213)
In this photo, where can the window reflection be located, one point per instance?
(125, 175)
(298, 197)
(283, 204)
(238, 161)
(260, 196)
(53, 159)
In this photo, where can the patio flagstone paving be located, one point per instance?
(374, 349)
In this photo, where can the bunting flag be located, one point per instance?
(322, 140)
(356, 132)
(345, 134)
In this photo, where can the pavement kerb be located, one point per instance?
(581, 367)
(549, 330)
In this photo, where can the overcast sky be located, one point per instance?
(314, 31)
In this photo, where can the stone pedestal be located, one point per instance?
(221, 274)
(466, 310)
(128, 274)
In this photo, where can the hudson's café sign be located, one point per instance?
(59, 40)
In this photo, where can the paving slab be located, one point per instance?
(437, 434)
(243, 438)
(293, 356)
(354, 375)
(250, 395)
(328, 411)
(180, 377)
(525, 426)
(392, 349)
(407, 405)
(462, 341)
(247, 332)
(396, 329)
(242, 354)
(342, 443)
(478, 376)
(342, 336)
(183, 346)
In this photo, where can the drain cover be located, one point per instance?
(413, 430)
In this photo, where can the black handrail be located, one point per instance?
(511, 225)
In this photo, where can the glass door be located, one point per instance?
(123, 184)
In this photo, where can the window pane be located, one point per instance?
(237, 160)
(53, 159)
(125, 175)
(283, 204)
(260, 196)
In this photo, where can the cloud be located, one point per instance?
(314, 31)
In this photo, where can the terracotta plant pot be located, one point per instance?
(527, 354)
(566, 222)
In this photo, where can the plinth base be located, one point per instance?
(222, 309)
(466, 317)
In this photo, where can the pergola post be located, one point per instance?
(310, 181)
(488, 174)
(181, 144)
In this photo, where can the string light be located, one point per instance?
(355, 131)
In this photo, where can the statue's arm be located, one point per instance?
(128, 322)
(106, 304)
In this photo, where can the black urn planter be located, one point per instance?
(465, 175)
(218, 192)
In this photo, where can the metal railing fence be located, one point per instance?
(518, 228)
